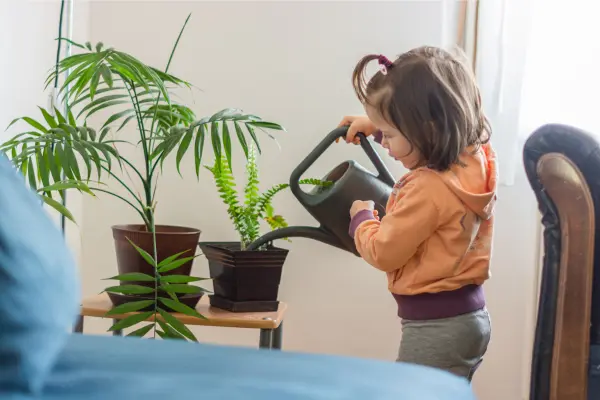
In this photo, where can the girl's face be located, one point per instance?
(394, 141)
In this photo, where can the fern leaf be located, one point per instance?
(266, 198)
(251, 190)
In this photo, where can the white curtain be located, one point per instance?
(537, 62)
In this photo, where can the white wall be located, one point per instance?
(291, 62)
(28, 29)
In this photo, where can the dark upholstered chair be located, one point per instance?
(563, 167)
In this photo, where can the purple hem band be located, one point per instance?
(359, 218)
(449, 304)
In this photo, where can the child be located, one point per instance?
(434, 242)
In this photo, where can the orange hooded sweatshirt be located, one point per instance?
(435, 240)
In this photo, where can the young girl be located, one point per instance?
(434, 242)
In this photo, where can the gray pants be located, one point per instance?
(456, 344)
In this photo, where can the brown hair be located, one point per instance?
(432, 97)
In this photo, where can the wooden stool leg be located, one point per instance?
(278, 337)
(266, 339)
(79, 325)
(118, 332)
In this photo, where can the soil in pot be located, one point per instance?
(170, 240)
(244, 280)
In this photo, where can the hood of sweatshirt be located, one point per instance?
(474, 182)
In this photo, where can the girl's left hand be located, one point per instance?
(360, 205)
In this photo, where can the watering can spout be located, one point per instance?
(330, 205)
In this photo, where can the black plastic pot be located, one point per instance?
(244, 281)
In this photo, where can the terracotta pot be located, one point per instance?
(244, 280)
(170, 240)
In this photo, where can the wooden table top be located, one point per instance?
(99, 305)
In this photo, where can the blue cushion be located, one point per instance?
(104, 367)
(39, 287)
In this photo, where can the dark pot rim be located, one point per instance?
(216, 244)
(179, 230)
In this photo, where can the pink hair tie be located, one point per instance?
(384, 64)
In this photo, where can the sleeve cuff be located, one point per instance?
(359, 218)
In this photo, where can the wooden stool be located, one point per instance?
(269, 323)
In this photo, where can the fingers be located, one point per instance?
(352, 130)
(346, 121)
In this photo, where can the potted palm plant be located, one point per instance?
(135, 104)
(247, 280)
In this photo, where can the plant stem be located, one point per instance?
(146, 222)
(137, 171)
(124, 185)
(156, 274)
(147, 181)
(150, 169)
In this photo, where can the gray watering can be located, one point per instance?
(330, 205)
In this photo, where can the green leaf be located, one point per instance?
(130, 289)
(62, 159)
(71, 118)
(106, 75)
(71, 42)
(125, 122)
(99, 46)
(117, 116)
(72, 162)
(65, 185)
(170, 258)
(59, 116)
(182, 288)
(35, 124)
(133, 277)
(185, 143)
(102, 106)
(58, 207)
(216, 141)
(180, 279)
(199, 148)
(31, 174)
(101, 100)
(181, 308)
(42, 157)
(227, 143)
(241, 137)
(131, 320)
(94, 84)
(54, 163)
(103, 133)
(254, 138)
(149, 259)
(267, 125)
(162, 334)
(88, 46)
(178, 325)
(142, 331)
(49, 118)
(170, 333)
(174, 264)
(129, 307)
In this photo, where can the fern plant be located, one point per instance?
(247, 214)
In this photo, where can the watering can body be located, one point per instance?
(330, 205)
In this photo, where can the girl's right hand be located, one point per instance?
(357, 124)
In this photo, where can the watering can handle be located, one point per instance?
(383, 174)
